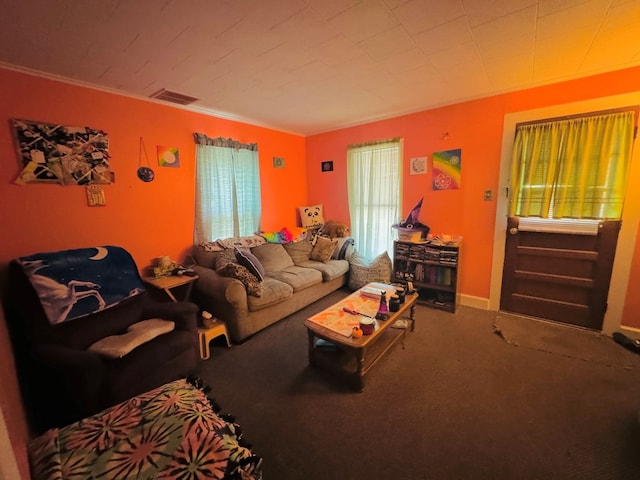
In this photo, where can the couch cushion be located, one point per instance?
(273, 257)
(330, 270)
(298, 277)
(274, 290)
(117, 346)
(299, 251)
(205, 257)
(82, 332)
(156, 362)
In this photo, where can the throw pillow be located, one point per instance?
(361, 273)
(311, 216)
(117, 346)
(252, 284)
(323, 249)
(249, 260)
(344, 249)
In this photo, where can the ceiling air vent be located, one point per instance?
(173, 97)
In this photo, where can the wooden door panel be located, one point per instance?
(558, 276)
(565, 242)
(563, 312)
(555, 266)
(560, 292)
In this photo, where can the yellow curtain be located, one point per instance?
(575, 168)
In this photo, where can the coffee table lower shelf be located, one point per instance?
(353, 363)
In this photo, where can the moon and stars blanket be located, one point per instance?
(75, 283)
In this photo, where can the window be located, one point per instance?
(572, 168)
(374, 178)
(227, 189)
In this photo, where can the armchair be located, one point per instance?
(62, 305)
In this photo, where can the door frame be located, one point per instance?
(630, 217)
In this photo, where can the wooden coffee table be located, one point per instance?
(354, 357)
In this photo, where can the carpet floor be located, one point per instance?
(468, 397)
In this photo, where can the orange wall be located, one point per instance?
(149, 219)
(152, 219)
(476, 128)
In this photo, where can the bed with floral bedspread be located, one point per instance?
(172, 432)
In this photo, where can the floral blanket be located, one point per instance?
(171, 432)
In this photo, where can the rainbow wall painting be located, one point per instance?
(446, 169)
(168, 156)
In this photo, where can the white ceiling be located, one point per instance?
(309, 66)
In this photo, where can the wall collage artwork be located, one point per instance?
(50, 153)
(66, 155)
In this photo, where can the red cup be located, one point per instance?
(367, 325)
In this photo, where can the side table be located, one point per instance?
(169, 283)
(205, 335)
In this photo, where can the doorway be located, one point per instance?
(630, 219)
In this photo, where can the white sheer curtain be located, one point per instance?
(374, 180)
(228, 200)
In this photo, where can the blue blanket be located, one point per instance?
(75, 283)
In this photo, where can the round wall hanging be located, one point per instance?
(145, 173)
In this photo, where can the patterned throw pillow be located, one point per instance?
(311, 216)
(227, 266)
(235, 270)
(249, 260)
(361, 273)
(323, 249)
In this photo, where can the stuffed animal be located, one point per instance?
(164, 266)
(333, 229)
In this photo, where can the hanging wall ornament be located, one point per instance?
(145, 173)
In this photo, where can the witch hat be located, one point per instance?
(412, 218)
(412, 222)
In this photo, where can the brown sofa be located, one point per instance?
(292, 280)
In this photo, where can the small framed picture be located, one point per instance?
(418, 166)
(327, 166)
(278, 162)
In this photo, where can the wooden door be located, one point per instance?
(559, 276)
